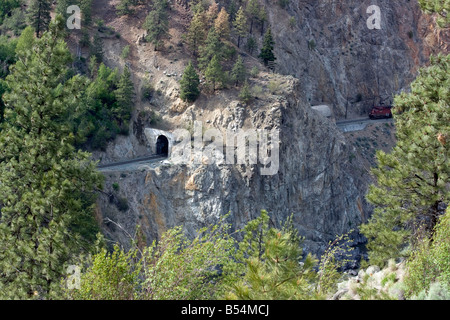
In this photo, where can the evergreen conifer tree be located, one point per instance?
(212, 47)
(157, 22)
(39, 15)
(196, 34)
(214, 73)
(125, 97)
(222, 24)
(266, 53)
(412, 186)
(189, 84)
(240, 25)
(44, 181)
(238, 73)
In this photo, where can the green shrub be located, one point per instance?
(122, 204)
(431, 260)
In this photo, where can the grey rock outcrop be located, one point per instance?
(313, 181)
(338, 59)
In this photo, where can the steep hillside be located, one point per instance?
(333, 57)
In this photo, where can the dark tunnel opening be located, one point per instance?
(162, 146)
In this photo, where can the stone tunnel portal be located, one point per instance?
(162, 146)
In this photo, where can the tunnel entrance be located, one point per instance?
(162, 146)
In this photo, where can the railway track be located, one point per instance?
(129, 163)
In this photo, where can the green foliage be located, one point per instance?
(214, 73)
(238, 73)
(7, 7)
(189, 84)
(212, 47)
(431, 262)
(157, 22)
(46, 185)
(437, 291)
(122, 204)
(270, 258)
(174, 267)
(196, 34)
(266, 53)
(15, 22)
(245, 94)
(332, 260)
(240, 24)
(183, 269)
(96, 49)
(124, 95)
(412, 181)
(283, 3)
(7, 58)
(111, 276)
(39, 15)
(147, 91)
(254, 72)
(124, 7)
(251, 45)
(125, 52)
(441, 7)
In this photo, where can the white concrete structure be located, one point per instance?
(152, 136)
(323, 110)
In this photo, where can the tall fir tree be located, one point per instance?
(240, 25)
(189, 84)
(96, 48)
(39, 15)
(196, 34)
(222, 24)
(413, 179)
(44, 181)
(214, 73)
(238, 73)
(253, 11)
(157, 23)
(125, 98)
(212, 47)
(266, 53)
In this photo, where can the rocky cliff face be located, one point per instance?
(329, 47)
(333, 56)
(313, 182)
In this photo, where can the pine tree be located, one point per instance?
(96, 48)
(189, 84)
(44, 181)
(212, 47)
(196, 34)
(238, 73)
(211, 14)
(214, 72)
(240, 25)
(157, 22)
(412, 181)
(251, 45)
(125, 99)
(124, 7)
(270, 258)
(262, 17)
(39, 15)
(253, 11)
(266, 53)
(222, 25)
(245, 95)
